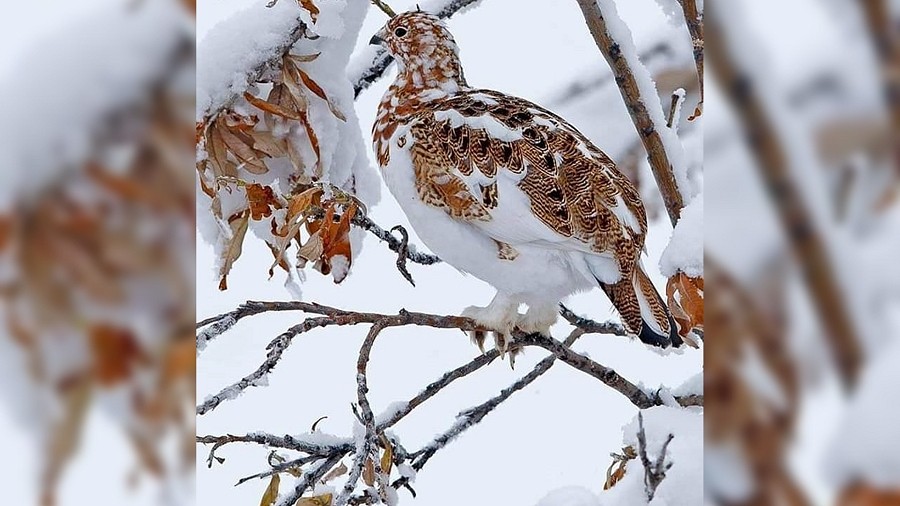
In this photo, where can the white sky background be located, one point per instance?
(557, 432)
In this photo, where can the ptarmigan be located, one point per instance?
(509, 192)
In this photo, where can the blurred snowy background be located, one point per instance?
(559, 432)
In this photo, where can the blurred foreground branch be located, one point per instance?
(808, 244)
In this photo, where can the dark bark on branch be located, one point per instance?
(637, 108)
(693, 18)
(654, 472)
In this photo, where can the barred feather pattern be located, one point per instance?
(463, 141)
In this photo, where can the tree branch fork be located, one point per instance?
(323, 457)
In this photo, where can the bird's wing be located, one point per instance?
(524, 175)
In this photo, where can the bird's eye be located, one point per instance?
(400, 31)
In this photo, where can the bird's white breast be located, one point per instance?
(538, 273)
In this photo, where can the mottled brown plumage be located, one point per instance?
(475, 152)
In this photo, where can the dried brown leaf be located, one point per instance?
(334, 473)
(368, 474)
(232, 250)
(311, 8)
(319, 500)
(271, 493)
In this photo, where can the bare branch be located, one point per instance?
(659, 158)
(385, 8)
(310, 477)
(654, 472)
(693, 18)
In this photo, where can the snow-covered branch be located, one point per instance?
(371, 431)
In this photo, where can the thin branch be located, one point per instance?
(310, 477)
(654, 472)
(338, 317)
(591, 326)
(470, 417)
(693, 18)
(286, 442)
(659, 158)
(432, 389)
(276, 350)
(385, 8)
(367, 418)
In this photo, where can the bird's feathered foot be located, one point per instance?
(499, 318)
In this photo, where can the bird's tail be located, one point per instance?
(642, 309)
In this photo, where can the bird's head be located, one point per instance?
(420, 41)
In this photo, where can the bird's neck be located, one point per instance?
(434, 75)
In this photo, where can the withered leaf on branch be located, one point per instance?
(685, 299)
(319, 500)
(232, 251)
(334, 473)
(311, 8)
(387, 458)
(261, 200)
(271, 494)
(368, 474)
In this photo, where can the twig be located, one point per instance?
(591, 326)
(403, 253)
(310, 477)
(693, 18)
(659, 158)
(385, 8)
(432, 389)
(367, 418)
(287, 442)
(395, 245)
(654, 473)
(472, 416)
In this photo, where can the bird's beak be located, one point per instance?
(378, 38)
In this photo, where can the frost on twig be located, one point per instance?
(371, 434)
(654, 472)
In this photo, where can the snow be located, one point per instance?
(673, 11)
(726, 476)
(692, 386)
(684, 252)
(754, 371)
(50, 128)
(683, 484)
(228, 52)
(229, 57)
(570, 496)
(867, 448)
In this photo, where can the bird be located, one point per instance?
(509, 192)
